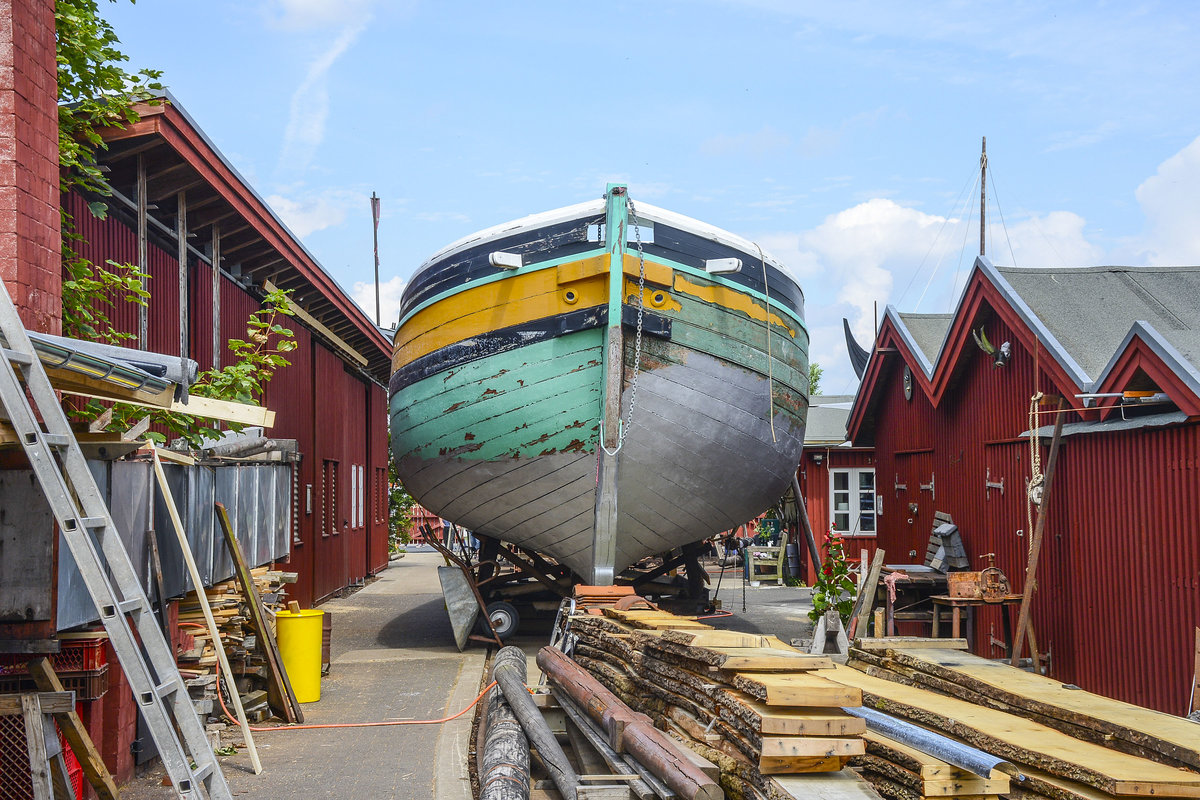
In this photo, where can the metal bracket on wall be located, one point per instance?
(928, 487)
(989, 484)
(900, 487)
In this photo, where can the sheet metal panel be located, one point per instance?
(225, 492)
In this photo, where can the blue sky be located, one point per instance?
(842, 136)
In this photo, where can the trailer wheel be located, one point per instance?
(504, 618)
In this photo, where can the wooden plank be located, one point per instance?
(1022, 741)
(805, 721)
(225, 410)
(1170, 735)
(909, 643)
(866, 598)
(316, 325)
(799, 764)
(94, 768)
(50, 702)
(810, 746)
(842, 785)
(280, 696)
(35, 740)
(799, 689)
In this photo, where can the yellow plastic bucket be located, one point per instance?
(299, 637)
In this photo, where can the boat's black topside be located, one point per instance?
(569, 237)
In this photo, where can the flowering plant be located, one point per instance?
(835, 585)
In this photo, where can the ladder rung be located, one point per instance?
(56, 439)
(162, 690)
(94, 522)
(203, 771)
(17, 357)
(133, 604)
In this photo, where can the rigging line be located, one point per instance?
(958, 201)
(964, 214)
(958, 267)
(1003, 224)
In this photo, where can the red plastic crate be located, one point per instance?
(74, 768)
(75, 655)
(87, 684)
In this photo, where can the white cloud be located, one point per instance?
(312, 212)
(1171, 204)
(1053, 240)
(390, 293)
(304, 15)
(310, 106)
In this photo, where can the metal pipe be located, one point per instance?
(628, 731)
(509, 670)
(960, 755)
(802, 511)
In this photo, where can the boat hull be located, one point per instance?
(498, 402)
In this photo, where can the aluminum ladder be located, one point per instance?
(89, 532)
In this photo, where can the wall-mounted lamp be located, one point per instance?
(818, 458)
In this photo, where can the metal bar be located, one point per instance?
(960, 755)
(802, 509)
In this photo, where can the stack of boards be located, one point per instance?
(198, 660)
(1067, 743)
(752, 705)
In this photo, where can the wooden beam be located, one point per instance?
(52, 703)
(316, 325)
(225, 410)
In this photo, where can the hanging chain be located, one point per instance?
(641, 308)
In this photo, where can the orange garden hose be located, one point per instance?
(229, 716)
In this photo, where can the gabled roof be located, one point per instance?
(827, 416)
(1100, 326)
(256, 246)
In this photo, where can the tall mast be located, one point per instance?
(375, 222)
(983, 200)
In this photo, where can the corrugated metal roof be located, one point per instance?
(1089, 310)
(827, 418)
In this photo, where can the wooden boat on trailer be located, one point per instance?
(600, 383)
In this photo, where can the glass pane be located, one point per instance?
(866, 523)
(866, 480)
(841, 522)
(841, 480)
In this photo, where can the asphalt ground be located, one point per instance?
(394, 659)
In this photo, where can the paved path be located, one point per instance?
(393, 658)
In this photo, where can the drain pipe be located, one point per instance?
(960, 755)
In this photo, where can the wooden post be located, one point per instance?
(216, 295)
(508, 670)
(142, 256)
(802, 508)
(1035, 544)
(866, 598)
(85, 750)
(198, 582)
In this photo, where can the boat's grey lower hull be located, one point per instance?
(699, 458)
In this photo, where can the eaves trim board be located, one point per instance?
(179, 130)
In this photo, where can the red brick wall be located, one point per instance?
(30, 254)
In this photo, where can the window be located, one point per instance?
(329, 504)
(852, 501)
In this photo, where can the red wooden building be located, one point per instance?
(177, 208)
(837, 481)
(1119, 579)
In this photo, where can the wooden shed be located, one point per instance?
(1119, 581)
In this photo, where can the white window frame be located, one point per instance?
(864, 496)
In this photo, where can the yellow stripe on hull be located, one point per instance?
(525, 297)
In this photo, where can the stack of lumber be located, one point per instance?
(749, 703)
(197, 660)
(1068, 744)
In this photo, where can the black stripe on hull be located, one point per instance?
(505, 339)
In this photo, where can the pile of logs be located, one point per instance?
(750, 704)
(1066, 743)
